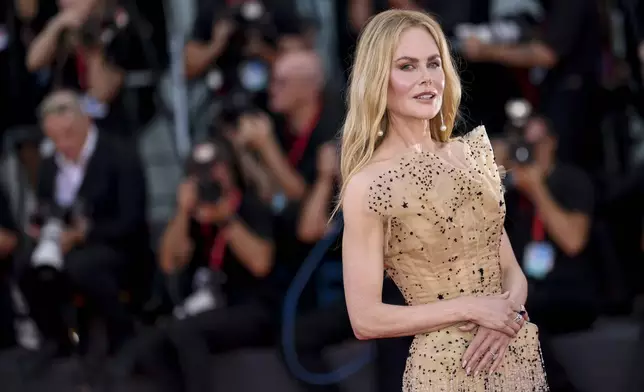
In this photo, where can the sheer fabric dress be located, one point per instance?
(443, 225)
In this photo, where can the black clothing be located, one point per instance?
(565, 300)
(7, 332)
(568, 92)
(128, 52)
(240, 284)
(291, 252)
(92, 270)
(573, 191)
(572, 31)
(113, 193)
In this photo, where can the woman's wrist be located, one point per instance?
(467, 310)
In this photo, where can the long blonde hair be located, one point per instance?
(367, 98)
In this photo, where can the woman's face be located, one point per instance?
(417, 79)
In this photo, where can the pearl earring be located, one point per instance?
(443, 127)
(381, 133)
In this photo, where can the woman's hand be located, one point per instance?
(498, 313)
(488, 347)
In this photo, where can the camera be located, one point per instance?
(252, 19)
(204, 158)
(102, 30)
(238, 70)
(507, 30)
(47, 257)
(200, 166)
(237, 104)
(518, 112)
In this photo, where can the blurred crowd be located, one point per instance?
(558, 84)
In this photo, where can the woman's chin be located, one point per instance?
(425, 115)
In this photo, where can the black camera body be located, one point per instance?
(251, 18)
(237, 104)
(209, 190)
(236, 69)
(101, 30)
(200, 166)
(520, 150)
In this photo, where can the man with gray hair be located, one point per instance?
(101, 183)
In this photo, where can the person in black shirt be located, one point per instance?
(549, 216)
(211, 39)
(212, 236)
(568, 48)
(290, 149)
(91, 45)
(8, 245)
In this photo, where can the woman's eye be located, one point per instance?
(434, 64)
(407, 67)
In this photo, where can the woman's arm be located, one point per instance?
(514, 280)
(362, 255)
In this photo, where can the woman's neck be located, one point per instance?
(412, 133)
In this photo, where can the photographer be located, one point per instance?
(223, 229)
(99, 184)
(90, 45)
(291, 149)
(215, 27)
(8, 246)
(568, 51)
(549, 216)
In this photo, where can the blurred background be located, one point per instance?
(168, 171)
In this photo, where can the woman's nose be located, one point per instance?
(425, 76)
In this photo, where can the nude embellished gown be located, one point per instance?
(443, 225)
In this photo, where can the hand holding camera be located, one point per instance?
(73, 236)
(57, 231)
(187, 196)
(71, 18)
(222, 30)
(255, 129)
(527, 178)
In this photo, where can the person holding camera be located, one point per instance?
(8, 247)
(91, 224)
(217, 255)
(550, 210)
(214, 28)
(566, 55)
(90, 45)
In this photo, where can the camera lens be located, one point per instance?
(522, 154)
(253, 75)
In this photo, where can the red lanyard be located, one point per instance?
(538, 232)
(296, 153)
(81, 69)
(218, 249)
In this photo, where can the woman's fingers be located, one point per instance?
(516, 326)
(469, 327)
(498, 360)
(490, 355)
(506, 329)
(478, 355)
(474, 345)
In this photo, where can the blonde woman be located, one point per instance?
(429, 209)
